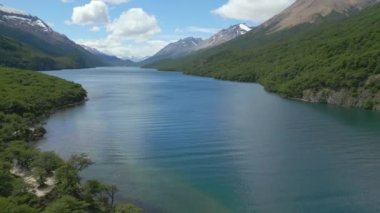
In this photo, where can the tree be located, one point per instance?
(110, 192)
(21, 153)
(80, 161)
(127, 208)
(40, 175)
(26, 198)
(67, 204)
(49, 161)
(6, 186)
(6, 205)
(68, 180)
(92, 192)
(100, 196)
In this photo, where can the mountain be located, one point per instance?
(329, 60)
(309, 11)
(175, 50)
(110, 60)
(189, 45)
(224, 36)
(45, 48)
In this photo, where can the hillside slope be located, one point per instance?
(309, 11)
(28, 42)
(336, 62)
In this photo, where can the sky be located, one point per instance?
(139, 28)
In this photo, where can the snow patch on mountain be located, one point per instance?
(244, 27)
(41, 24)
(224, 36)
(32, 21)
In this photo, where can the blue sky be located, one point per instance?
(156, 22)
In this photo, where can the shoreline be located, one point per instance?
(40, 125)
(304, 100)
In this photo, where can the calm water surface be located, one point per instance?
(176, 143)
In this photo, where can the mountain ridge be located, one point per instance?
(45, 48)
(190, 45)
(308, 11)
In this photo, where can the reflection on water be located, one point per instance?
(178, 143)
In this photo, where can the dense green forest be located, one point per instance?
(336, 60)
(23, 50)
(26, 98)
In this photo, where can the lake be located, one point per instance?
(177, 143)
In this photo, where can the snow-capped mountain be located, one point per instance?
(180, 47)
(54, 50)
(188, 45)
(225, 35)
(308, 11)
(176, 49)
(20, 20)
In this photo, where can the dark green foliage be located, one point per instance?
(30, 92)
(127, 208)
(6, 186)
(67, 204)
(40, 175)
(80, 162)
(48, 161)
(21, 154)
(100, 196)
(337, 54)
(8, 206)
(68, 180)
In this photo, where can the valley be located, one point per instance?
(118, 106)
(334, 61)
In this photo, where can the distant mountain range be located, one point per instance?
(188, 45)
(28, 42)
(109, 59)
(325, 51)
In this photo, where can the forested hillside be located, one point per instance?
(336, 60)
(23, 50)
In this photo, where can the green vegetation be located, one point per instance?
(337, 55)
(26, 98)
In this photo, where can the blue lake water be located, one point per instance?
(177, 143)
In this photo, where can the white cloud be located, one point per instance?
(95, 12)
(116, 1)
(129, 35)
(106, 1)
(252, 10)
(134, 24)
(95, 29)
(125, 49)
